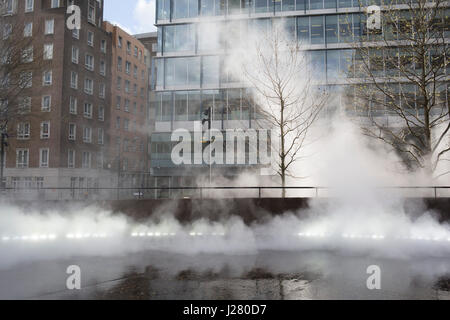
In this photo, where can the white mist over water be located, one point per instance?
(359, 219)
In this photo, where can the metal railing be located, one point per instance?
(201, 192)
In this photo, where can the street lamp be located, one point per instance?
(207, 117)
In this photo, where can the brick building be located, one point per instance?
(61, 141)
(128, 127)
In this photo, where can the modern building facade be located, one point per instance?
(61, 140)
(191, 76)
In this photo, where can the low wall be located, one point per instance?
(250, 210)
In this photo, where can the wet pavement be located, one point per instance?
(267, 275)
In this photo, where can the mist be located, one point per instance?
(354, 217)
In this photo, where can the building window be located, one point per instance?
(101, 113)
(87, 135)
(119, 63)
(128, 67)
(126, 124)
(127, 86)
(100, 160)
(49, 26)
(119, 43)
(45, 130)
(72, 131)
(91, 11)
(47, 78)
(89, 62)
(128, 47)
(317, 30)
(46, 103)
(76, 33)
(55, 4)
(102, 68)
(100, 136)
(71, 159)
(74, 80)
(75, 54)
(29, 5)
(48, 51)
(118, 123)
(127, 105)
(28, 30)
(101, 90)
(43, 158)
(23, 131)
(27, 54)
(24, 105)
(90, 38)
(22, 158)
(73, 105)
(26, 79)
(86, 161)
(7, 31)
(9, 6)
(103, 46)
(89, 86)
(88, 110)
(118, 102)
(119, 83)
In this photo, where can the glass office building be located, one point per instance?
(190, 71)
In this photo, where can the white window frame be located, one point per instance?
(45, 135)
(87, 135)
(48, 51)
(101, 113)
(29, 6)
(43, 106)
(73, 105)
(23, 131)
(75, 54)
(89, 62)
(89, 86)
(28, 29)
(101, 136)
(43, 164)
(55, 4)
(74, 85)
(25, 161)
(87, 165)
(90, 43)
(44, 80)
(49, 26)
(72, 135)
(88, 110)
(70, 153)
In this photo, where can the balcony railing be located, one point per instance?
(145, 193)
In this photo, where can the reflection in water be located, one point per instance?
(267, 275)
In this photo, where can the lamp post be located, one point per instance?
(207, 118)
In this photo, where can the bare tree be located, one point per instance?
(20, 60)
(288, 99)
(403, 79)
